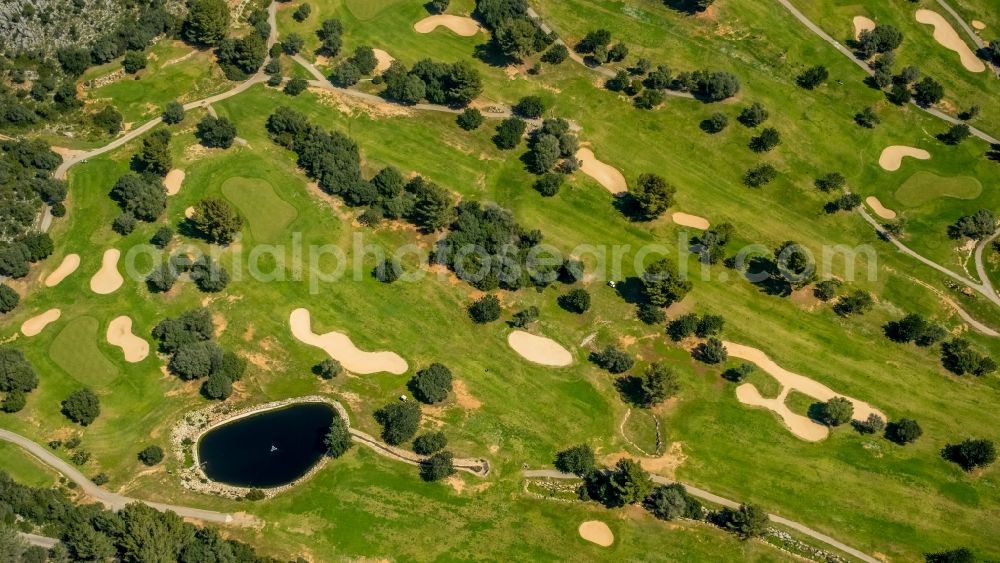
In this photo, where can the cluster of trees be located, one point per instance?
(515, 34)
(979, 225)
(216, 132)
(136, 31)
(26, 184)
(612, 359)
(597, 45)
(691, 324)
(350, 71)
(136, 533)
(575, 301)
(857, 302)
(17, 379)
(484, 310)
(16, 257)
(209, 276)
(971, 454)
(760, 175)
(915, 328)
(904, 86)
(82, 407)
(959, 357)
(552, 154)
(884, 38)
(454, 84)
(141, 197)
(194, 355)
(647, 84)
(711, 244)
(656, 384)
(663, 285)
(400, 422)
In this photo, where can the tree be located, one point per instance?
(753, 115)
(575, 301)
(881, 39)
(162, 237)
(217, 387)
(154, 157)
(959, 357)
(151, 455)
(330, 33)
(663, 285)
(836, 411)
(759, 176)
(14, 402)
(653, 195)
(196, 360)
(338, 438)
(979, 225)
(515, 37)
(831, 181)
(658, 384)
(529, 107)
(388, 270)
(438, 6)
(82, 406)
(429, 443)
(302, 12)
(399, 421)
(524, 317)
(748, 521)
(295, 86)
(108, 119)
(173, 113)
(612, 359)
(628, 483)
(738, 373)
(813, 77)
(161, 279)
(650, 314)
(971, 454)
(956, 134)
(593, 40)
(328, 368)
(73, 60)
(216, 132)
(364, 59)
(716, 123)
(16, 373)
(766, 141)
(134, 61)
(711, 351)
(486, 309)
(669, 502)
(903, 431)
(292, 43)
(928, 91)
(509, 133)
(8, 299)
(556, 54)
(871, 425)
(207, 22)
(578, 459)
(432, 384)
(141, 197)
(217, 220)
(347, 75)
(470, 119)
(716, 86)
(855, 303)
(438, 466)
(960, 555)
(867, 118)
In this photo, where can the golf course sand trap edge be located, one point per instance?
(120, 334)
(879, 209)
(107, 279)
(978, 25)
(597, 532)
(173, 181)
(693, 221)
(539, 349)
(69, 264)
(862, 23)
(460, 25)
(339, 347)
(946, 35)
(37, 324)
(189, 212)
(801, 426)
(605, 174)
(892, 157)
(384, 61)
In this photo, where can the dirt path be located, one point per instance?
(948, 38)
(722, 501)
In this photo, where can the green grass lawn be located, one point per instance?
(926, 186)
(75, 350)
(267, 214)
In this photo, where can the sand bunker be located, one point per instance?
(801, 426)
(862, 23)
(539, 349)
(36, 324)
(384, 61)
(339, 346)
(597, 532)
(107, 279)
(608, 176)
(949, 38)
(880, 209)
(69, 265)
(466, 27)
(173, 181)
(892, 157)
(693, 221)
(120, 335)
(189, 212)
(976, 24)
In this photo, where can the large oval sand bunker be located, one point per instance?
(803, 427)
(597, 532)
(605, 174)
(466, 27)
(173, 181)
(120, 334)
(37, 324)
(892, 157)
(68, 265)
(539, 349)
(339, 347)
(107, 279)
(949, 38)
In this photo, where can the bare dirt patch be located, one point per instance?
(597, 532)
(892, 157)
(37, 324)
(463, 397)
(946, 35)
(539, 349)
(173, 181)
(68, 265)
(339, 347)
(120, 334)
(460, 25)
(693, 221)
(879, 209)
(351, 104)
(107, 279)
(606, 175)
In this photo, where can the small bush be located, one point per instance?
(151, 455)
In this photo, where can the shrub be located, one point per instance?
(100, 479)
(429, 443)
(578, 459)
(836, 411)
(151, 455)
(399, 421)
(529, 107)
(485, 310)
(254, 495)
(813, 77)
(867, 118)
(669, 502)
(759, 176)
(904, 431)
(108, 119)
(855, 303)
(338, 438)
(8, 299)
(649, 99)
(328, 368)
(388, 270)
(82, 406)
(709, 325)
(432, 384)
(575, 301)
(437, 467)
(612, 359)
(524, 317)
(738, 373)
(548, 184)
(747, 521)
(124, 223)
(217, 387)
(216, 132)
(470, 119)
(971, 454)
(711, 351)
(871, 425)
(826, 289)
(296, 86)
(173, 113)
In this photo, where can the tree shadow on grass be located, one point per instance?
(631, 290)
(689, 7)
(760, 272)
(489, 53)
(630, 389)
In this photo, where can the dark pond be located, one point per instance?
(268, 449)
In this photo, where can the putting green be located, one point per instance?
(267, 213)
(75, 350)
(925, 186)
(367, 9)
